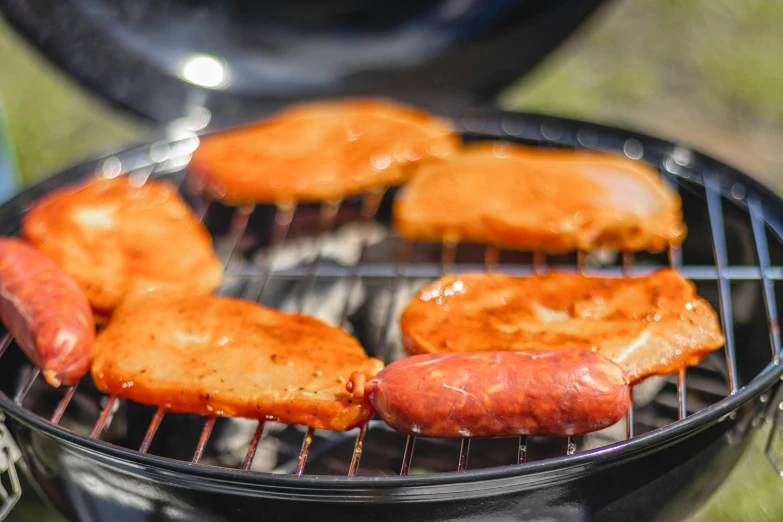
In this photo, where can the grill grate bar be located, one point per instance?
(204, 208)
(682, 399)
(675, 258)
(281, 224)
(448, 254)
(251, 452)
(389, 270)
(63, 404)
(370, 204)
(24, 388)
(539, 263)
(238, 228)
(464, 453)
(357, 451)
(105, 418)
(404, 251)
(675, 252)
(5, 342)
(675, 261)
(628, 260)
(522, 453)
(202, 441)
(581, 260)
(407, 456)
(327, 213)
(152, 429)
(308, 439)
(756, 211)
(581, 264)
(629, 427)
(491, 257)
(712, 187)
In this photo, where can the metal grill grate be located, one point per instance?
(404, 266)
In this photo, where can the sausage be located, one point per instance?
(500, 394)
(47, 313)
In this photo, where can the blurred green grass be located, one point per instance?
(753, 491)
(53, 122)
(723, 56)
(705, 72)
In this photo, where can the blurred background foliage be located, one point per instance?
(53, 122)
(705, 72)
(708, 73)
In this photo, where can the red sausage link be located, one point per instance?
(46, 312)
(500, 394)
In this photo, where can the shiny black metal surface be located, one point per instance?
(239, 59)
(659, 481)
(665, 483)
(663, 474)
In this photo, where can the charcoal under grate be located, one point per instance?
(342, 262)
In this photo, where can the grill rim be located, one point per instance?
(363, 488)
(528, 474)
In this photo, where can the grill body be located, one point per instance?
(666, 482)
(683, 442)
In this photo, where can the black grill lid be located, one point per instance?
(241, 58)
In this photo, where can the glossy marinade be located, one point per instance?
(500, 394)
(650, 325)
(224, 356)
(46, 312)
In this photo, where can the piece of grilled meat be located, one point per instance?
(115, 238)
(224, 356)
(648, 325)
(536, 200)
(318, 151)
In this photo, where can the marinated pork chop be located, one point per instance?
(115, 238)
(320, 151)
(535, 200)
(223, 356)
(648, 325)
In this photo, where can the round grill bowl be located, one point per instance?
(687, 431)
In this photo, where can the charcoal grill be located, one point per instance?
(106, 458)
(102, 458)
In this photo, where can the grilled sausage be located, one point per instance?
(500, 394)
(46, 312)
